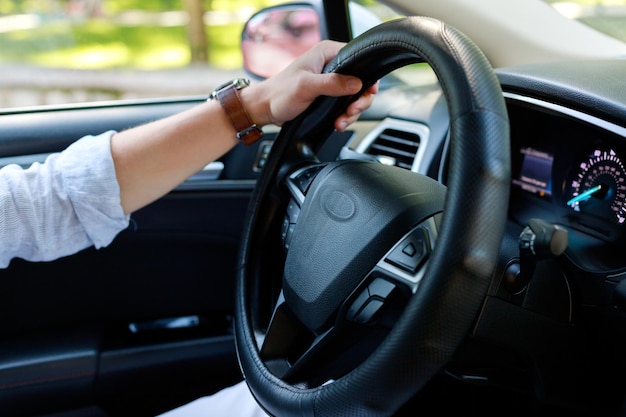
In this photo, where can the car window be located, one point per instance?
(64, 51)
(68, 51)
(606, 16)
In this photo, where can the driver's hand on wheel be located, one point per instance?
(287, 94)
(152, 159)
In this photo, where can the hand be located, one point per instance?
(287, 94)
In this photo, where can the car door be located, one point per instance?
(122, 325)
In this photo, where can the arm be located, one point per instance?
(152, 159)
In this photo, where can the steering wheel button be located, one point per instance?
(411, 252)
(357, 305)
(284, 228)
(293, 210)
(370, 301)
(380, 288)
(366, 314)
(289, 234)
(304, 179)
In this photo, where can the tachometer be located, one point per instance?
(599, 188)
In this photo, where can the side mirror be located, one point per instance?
(275, 36)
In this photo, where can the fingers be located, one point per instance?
(354, 110)
(337, 85)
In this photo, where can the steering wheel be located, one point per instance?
(357, 281)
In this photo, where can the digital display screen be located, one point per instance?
(535, 175)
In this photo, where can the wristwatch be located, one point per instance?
(228, 96)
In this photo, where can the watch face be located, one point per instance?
(239, 83)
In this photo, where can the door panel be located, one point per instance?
(90, 331)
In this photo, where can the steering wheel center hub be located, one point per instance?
(352, 215)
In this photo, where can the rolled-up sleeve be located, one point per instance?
(68, 203)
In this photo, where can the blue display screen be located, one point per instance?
(535, 175)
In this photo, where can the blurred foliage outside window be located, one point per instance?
(67, 51)
(98, 34)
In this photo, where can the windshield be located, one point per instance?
(68, 51)
(606, 16)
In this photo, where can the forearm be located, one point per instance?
(154, 158)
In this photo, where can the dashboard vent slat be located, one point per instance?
(395, 147)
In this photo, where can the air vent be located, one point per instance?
(395, 147)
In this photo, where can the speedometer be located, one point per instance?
(599, 187)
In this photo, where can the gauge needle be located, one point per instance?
(584, 195)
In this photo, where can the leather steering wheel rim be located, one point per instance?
(445, 307)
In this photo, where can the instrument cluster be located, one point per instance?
(568, 171)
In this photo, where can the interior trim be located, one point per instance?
(596, 121)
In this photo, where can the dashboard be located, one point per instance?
(568, 168)
(568, 154)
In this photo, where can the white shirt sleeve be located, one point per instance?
(66, 204)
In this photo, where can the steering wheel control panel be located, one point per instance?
(299, 183)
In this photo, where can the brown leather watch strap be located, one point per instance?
(245, 129)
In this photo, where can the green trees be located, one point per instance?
(90, 34)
